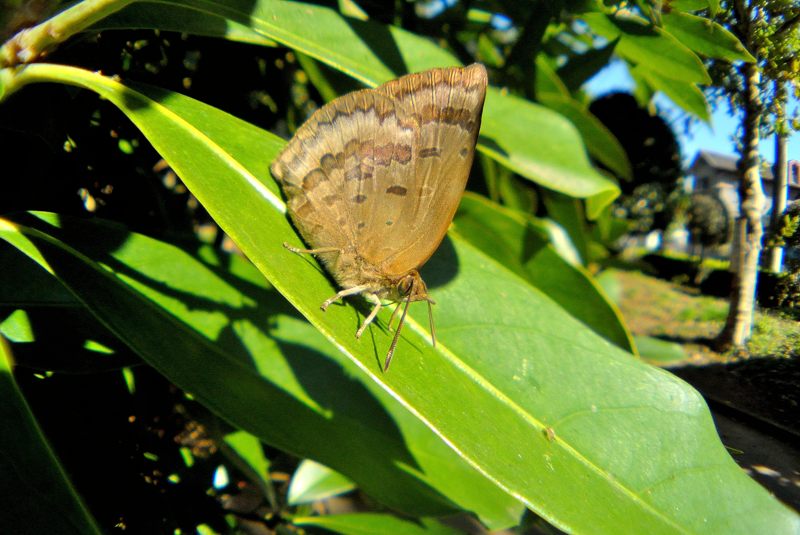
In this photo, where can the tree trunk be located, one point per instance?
(748, 228)
(780, 187)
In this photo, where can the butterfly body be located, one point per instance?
(373, 179)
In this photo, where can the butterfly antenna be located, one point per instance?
(396, 335)
(430, 322)
(394, 313)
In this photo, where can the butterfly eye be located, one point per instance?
(406, 285)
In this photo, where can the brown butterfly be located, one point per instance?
(374, 177)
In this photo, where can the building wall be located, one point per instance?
(725, 185)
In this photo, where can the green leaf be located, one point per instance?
(688, 5)
(512, 240)
(547, 81)
(521, 390)
(16, 327)
(650, 46)
(312, 482)
(506, 187)
(373, 53)
(524, 133)
(686, 95)
(567, 213)
(176, 18)
(47, 327)
(22, 285)
(660, 352)
(705, 37)
(328, 82)
(608, 229)
(600, 142)
(39, 496)
(642, 91)
(248, 455)
(373, 524)
(582, 67)
(291, 386)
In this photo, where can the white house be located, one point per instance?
(716, 174)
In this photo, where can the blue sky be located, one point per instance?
(716, 137)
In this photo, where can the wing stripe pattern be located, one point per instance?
(379, 172)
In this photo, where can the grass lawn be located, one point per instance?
(667, 311)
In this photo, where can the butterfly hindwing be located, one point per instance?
(447, 104)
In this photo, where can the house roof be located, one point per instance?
(726, 162)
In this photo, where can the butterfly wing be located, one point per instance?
(331, 170)
(380, 172)
(447, 105)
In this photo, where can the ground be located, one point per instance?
(754, 396)
(672, 312)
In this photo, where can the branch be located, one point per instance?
(742, 24)
(787, 26)
(32, 44)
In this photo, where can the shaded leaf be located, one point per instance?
(38, 493)
(580, 68)
(547, 81)
(687, 5)
(274, 375)
(249, 455)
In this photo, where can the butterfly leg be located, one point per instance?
(372, 298)
(344, 293)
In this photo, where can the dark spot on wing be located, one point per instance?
(402, 153)
(397, 190)
(328, 162)
(382, 154)
(313, 179)
(359, 199)
(429, 152)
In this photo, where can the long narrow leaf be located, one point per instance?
(521, 390)
(38, 495)
(530, 139)
(273, 374)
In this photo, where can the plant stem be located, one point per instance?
(31, 44)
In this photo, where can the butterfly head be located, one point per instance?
(411, 287)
